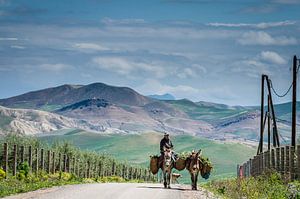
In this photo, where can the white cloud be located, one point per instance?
(186, 72)
(54, 67)
(263, 38)
(18, 47)
(126, 66)
(287, 1)
(8, 39)
(90, 46)
(109, 21)
(262, 25)
(272, 57)
(253, 68)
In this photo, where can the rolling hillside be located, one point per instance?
(137, 148)
(108, 109)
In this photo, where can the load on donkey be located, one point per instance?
(193, 162)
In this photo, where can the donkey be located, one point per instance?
(166, 167)
(193, 165)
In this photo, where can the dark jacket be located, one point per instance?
(165, 143)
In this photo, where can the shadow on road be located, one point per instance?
(177, 189)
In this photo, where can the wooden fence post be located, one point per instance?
(69, 164)
(49, 162)
(15, 160)
(265, 161)
(298, 162)
(287, 161)
(100, 169)
(36, 161)
(5, 158)
(250, 167)
(65, 163)
(123, 171)
(130, 173)
(292, 162)
(261, 161)
(253, 166)
(59, 162)
(88, 169)
(278, 160)
(30, 157)
(53, 162)
(113, 168)
(22, 150)
(282, 160)
(273, 159)
(42, 160)
(74, 165)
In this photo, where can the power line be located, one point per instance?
(289, 89)
(278, 95)
(282, 138)
(285, 121)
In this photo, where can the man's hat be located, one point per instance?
(166, 134)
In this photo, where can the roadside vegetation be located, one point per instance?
(271, 185)
(28, 180)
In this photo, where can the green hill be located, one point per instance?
(137, 148)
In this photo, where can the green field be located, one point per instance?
(207, 112)
(136, 148)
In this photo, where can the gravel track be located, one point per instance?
(116, 191)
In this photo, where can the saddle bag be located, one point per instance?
(154, 164)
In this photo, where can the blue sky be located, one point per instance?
(197, 49)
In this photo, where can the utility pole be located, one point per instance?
(269, 124)
(275, 130)
(294, 102)
(260, 150)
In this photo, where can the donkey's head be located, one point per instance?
(167, 158)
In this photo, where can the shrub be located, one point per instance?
(24, 169)
(2, 173)
(269, 186)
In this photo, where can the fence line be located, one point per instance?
(50, 161)
(285, 160)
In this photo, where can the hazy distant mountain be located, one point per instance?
(69, 94)
(166, 96)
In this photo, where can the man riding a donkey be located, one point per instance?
(167, 159)
(166, 144)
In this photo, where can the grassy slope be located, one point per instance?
(138, 148)
(209, 113)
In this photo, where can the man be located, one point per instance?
(166, 143)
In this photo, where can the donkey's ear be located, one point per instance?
(199, 153)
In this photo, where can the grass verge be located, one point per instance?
(270, 185)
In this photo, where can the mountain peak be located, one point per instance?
(68, 94)
(166, 96)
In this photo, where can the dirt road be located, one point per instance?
(116, 191)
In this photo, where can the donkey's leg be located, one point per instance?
(165, 179)
(192, 180)
(196, 180)
(169, 179)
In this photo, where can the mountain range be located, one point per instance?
(103, 108)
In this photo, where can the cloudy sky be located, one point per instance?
(210, 50)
